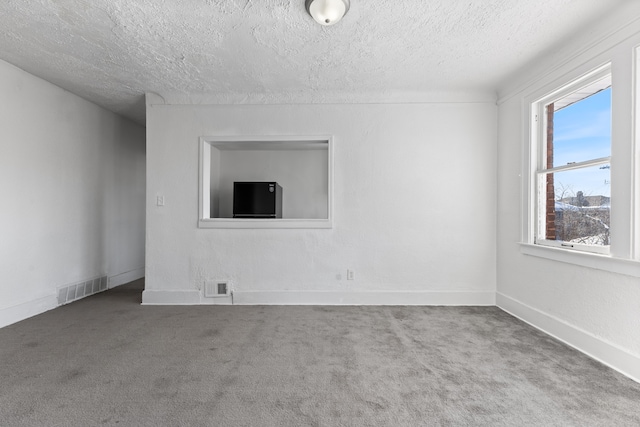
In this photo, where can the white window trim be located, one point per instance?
(584, 259)
(538, 145)
(623, 256)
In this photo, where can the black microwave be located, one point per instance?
(257, 200)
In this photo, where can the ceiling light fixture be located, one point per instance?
(327, 12)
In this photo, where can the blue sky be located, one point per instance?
(582, 131)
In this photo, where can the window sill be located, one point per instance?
(263, 223)
(585, 259)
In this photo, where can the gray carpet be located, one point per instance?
(106, 360)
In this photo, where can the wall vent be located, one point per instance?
(76, 291)
(217, 288)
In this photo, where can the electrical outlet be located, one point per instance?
(350, 275)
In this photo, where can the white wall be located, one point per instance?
(214, 184)
(414, 207)
(302, 174)
(72, 179)
(592, 309)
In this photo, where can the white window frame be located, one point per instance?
(539, 143)
(623, 59)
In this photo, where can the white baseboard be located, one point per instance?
(16, 313)
(66, 294)
(193, 297)
(364, 298)
(154, 297)
(126, 277)
(609, 354)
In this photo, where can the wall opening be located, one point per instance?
(302, 166)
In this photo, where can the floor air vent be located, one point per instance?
(76, 291)
(216, 288)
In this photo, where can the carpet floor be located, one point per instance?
(107, 360)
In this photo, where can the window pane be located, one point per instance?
(581, 205)
(582, 129)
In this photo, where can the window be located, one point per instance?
(572, 137)
(580, 176)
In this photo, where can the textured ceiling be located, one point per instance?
(232, 51)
